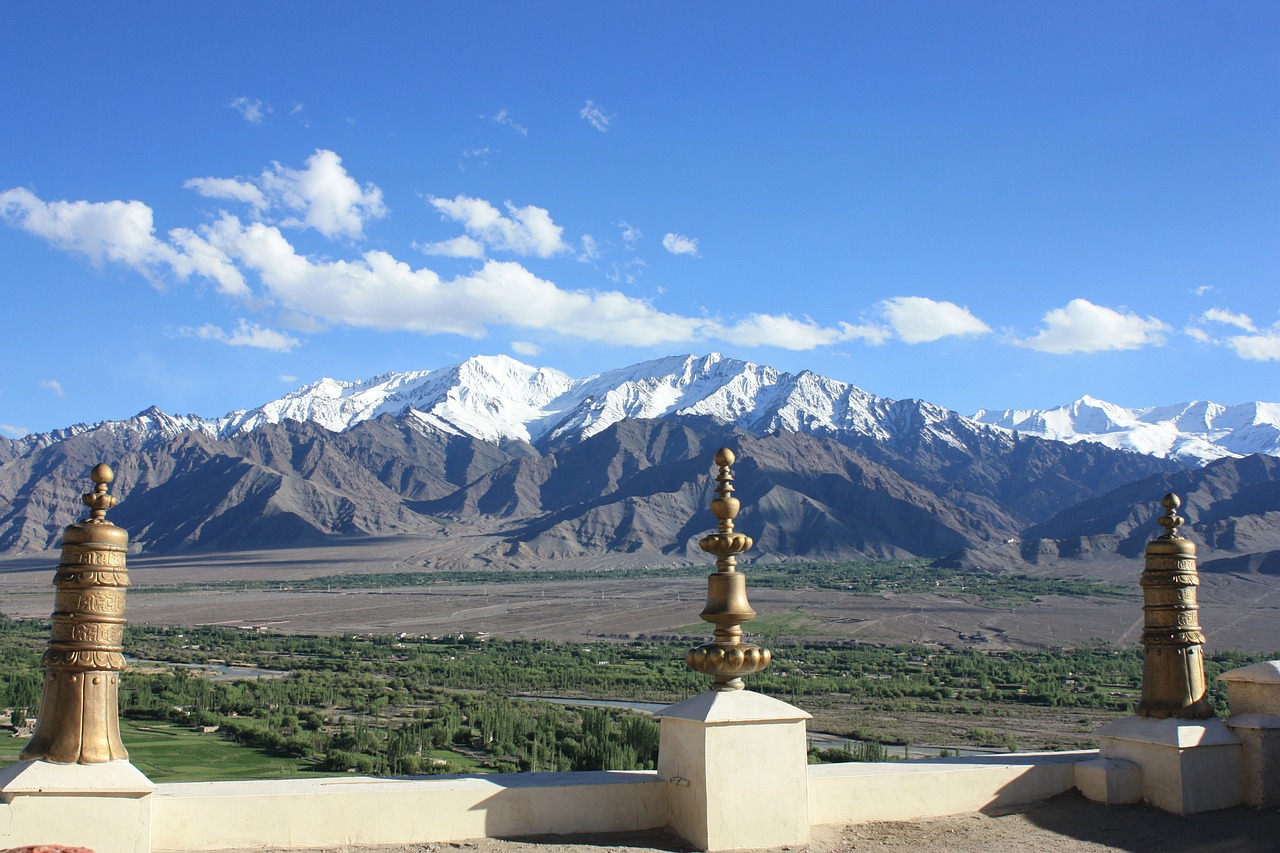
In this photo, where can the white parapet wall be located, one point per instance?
(903, 790)
(361, 811)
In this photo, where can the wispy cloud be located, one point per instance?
(787, 332)
(230, 189)
(287, 377)
(245, 334)
(678, 244)
(630, 235)
(1081, 326)
(251, 109)
(503, 117)
(1257, 345)
(13, 431)
(480, 156)
(596, 117)
(626, 272)
(525, 231)
(52, 385)
(455, 247)
(591, 249)
(525, 348)
(1230, 318)
(918, 319)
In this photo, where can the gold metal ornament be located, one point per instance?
(728, 658)
(78, 722)
(1173, 682)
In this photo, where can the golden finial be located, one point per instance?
(78, 722)
(727, 659)
(98, 500)
(1173, 679)
(1171, 521)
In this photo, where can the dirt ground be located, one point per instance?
(1237, 612)
(1064, 824)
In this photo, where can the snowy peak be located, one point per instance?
(499, 399)
(1197, 432)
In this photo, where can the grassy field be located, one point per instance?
(168, 753)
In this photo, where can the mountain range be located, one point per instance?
(515, 464)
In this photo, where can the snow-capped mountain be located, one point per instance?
(1197, 432)
(555, 465)
(497, 399)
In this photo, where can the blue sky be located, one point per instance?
(203, 206)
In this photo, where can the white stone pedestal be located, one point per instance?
(736, 767)
(105, 807)
(1254, 695)
(1187, 766)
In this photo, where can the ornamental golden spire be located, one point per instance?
(1173, 682)
(78, 721)
(727, 658)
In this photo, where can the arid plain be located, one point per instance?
(1237, 611)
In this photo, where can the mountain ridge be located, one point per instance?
(497, 398)
(531, 464)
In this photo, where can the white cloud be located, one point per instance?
(297, 108)
(596, 117)
(251, 259)
(14, 431)
(1202, 289)
(1264, 346)
(918, 320)
(526, 231)
(1230, 318)
(328, 199)
(1081, 326)
(782, 331)
(630, 234)
(118, 231)
(503, 117)
(287, 377)
(525, 348)
(228, 188)
(251, 110)
(322, 196)
(245, 334)
(52, 385)
(380, 292)
(678, 244)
